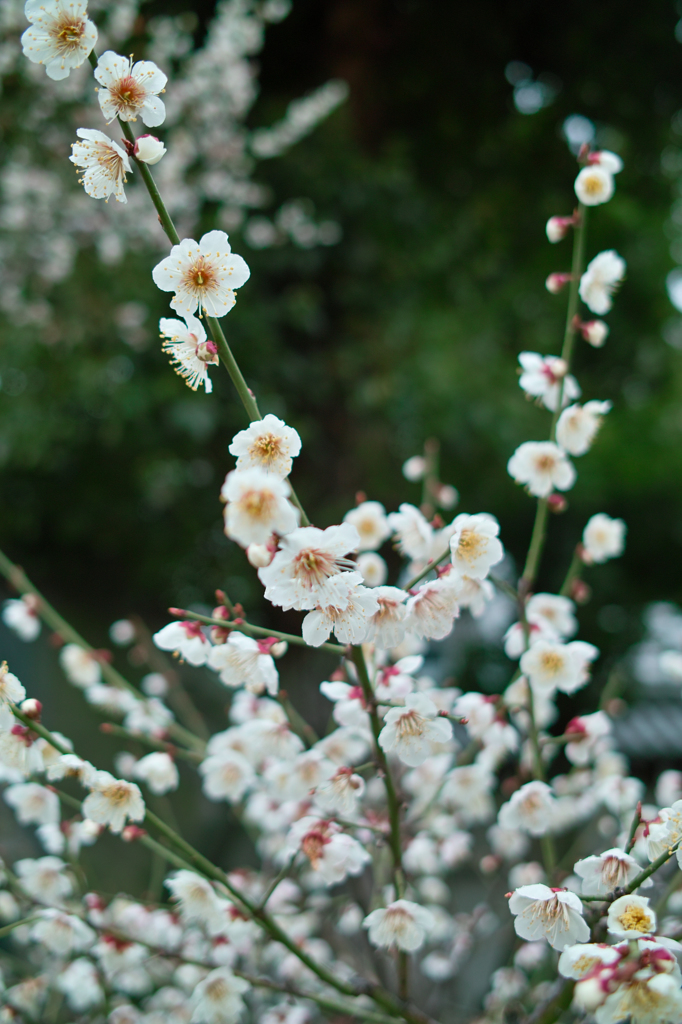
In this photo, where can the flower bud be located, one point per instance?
(595, 332)
(279, 649)
(589, 994)
(149, 149)
(259, 555)
(557, 228)
(207, 351)
(557, 503)
(555, 282)
(32, 708)
(580, 592)
(414, 468)
(447, 496)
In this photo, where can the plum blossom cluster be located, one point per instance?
(366, 833)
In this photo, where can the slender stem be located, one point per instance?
(282, 874)
(537, 543)
(429, 567)
(246, 627)
(297, 721)
(6, 929)
(167, 748)
(636, 819)
(334, 1006)
(549, 1012)
(574, 571)
(637, 881)
(403, 976)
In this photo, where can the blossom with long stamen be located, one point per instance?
(530, 809)
(267, 444)
(218, 998)
(603, 538)
(307, 559)
(345, 610)
(22, 617)
(130, 90)
(257, 506)
(104, 164)
(242, 661)
(607, 872)
(552, 914)
(332, 853)
(594, 185)
(542, 466)
(631, 917)
(554, 666)
(190, 351)
(61, 35)
(410, 732)
(113, 801)
(371, 522)
(402, 924)
(386, 626)
(204, 275)
(432, 611)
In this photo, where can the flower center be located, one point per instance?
(267, 448)
(635, 919)
(470, 545)
(68, 33)
(410, 724)
(312, 567)
(592, 185)
(313, 847)
(217, 990)
(545, 463)
(200, 275)
(128, 93)
(552, 662)
(257, 504)
(614, 872)
(118, 793)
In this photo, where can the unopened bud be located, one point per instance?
(580, 592)
(589, 994)
(447, 496)
(149, 149)
(207, 351)
(259, 555)
(279, 649)
(32, 708)
(595, 332)
(557, 503)
(414, 468)
(555, 282)
(489, 863)
(558, 227)
(132, 832)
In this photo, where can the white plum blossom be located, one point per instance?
(547, 378)
(432, 611)
(218, 998)
(474, 545)
(63, 934)
(33, 804)
(243, 661)
(411, 731)
(227, 775)
(185, 639)
(81, 667)
(19, 750)
(45, 879)
(611, 162)
(371, 522)
(595, 332)
(191, 353)
(555, 666)
(267, 444)
(130, 90)
(552, 611)
(401, 925)
(542, 466)
(21, 617)
(631, 917)
(104, 164)
(413, 534)
(257, 506)
(544, 913)
(530, 809)
(344, 609)
(341, 792)
(578, 426)
(608, 871)
(11, 692)
(61, 35)
(203, 275)
(113, 801)
(577, 961)
(603, 538)
(159, 772)
(594, 185)
(603, 275)
(307, 560)
(197, 901)
(331, 852)
(149, 149)
(79, 982)
(666, 831)
(590, 736)
(387, 624)
(372, 568)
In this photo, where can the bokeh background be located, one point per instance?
(398, 262)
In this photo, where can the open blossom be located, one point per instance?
(474, 545)
(62, 933)
(159, 771)
(243, 661)
(344, 609)
(257, 506)
(130, 90)
(190, 352)
(432, 611)
(411, 731)
(594, 185)
(544, 913)
(530, 809)
(542, 466)
(227, 775)
(603, 275)
(267, 444)
(341, 792)
(631, 917)
(218, 998)
(554, 666)
(61, 35)
(547, 378)
(591, 736)
(372, 568)
(203, 275)
(666, 832)
(603, 538)
(371, 522)
(44, 879)
(401, 925)
(104, 163)
(33, 804)
(610, 870)
(578, 426)
(11, 692)
(197, 900)
(577, 961)
(113, 801)
(330, 851)
(553, 611)
(185, 639)
(413, 534)
(307, 559)
(22, 617)
(80, 666)
(387, 624)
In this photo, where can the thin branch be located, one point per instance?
(249, 630)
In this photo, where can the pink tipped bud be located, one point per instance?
(259, 555)
(207, 351)
(589, 994)
(595, 332)
(149, 149)
(580, 592)
(558, 227)
(555, 282)
(32, 708)
(489, 863)
(414, 468)
(266, 644)
(132, 832)
(279, 649)
(557, 503)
